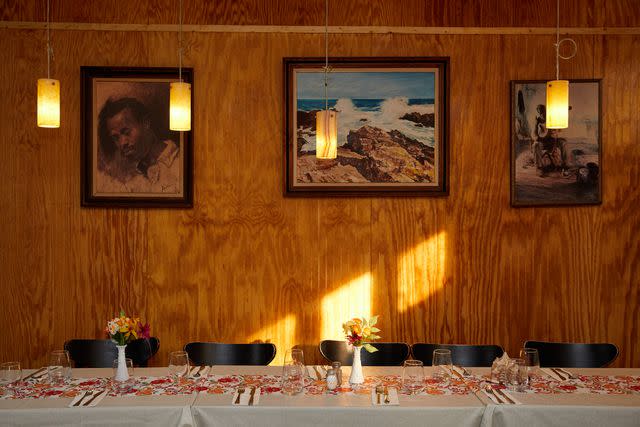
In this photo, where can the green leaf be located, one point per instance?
(370, 348)
(374, 329)
(373, 320)
(373, 337)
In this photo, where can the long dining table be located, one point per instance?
(596, 397)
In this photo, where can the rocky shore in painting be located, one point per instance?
(369, 155)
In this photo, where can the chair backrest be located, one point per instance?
(140, 351)
(213, 353)
(388, 354)
(92, 353)
(461, 354)
(574, 355)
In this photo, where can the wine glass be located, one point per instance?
(413, 376)
(442, 364)
(292, 378)
(178, 365)
(59, 368)
(294, 355)
(10, 374)
(531, 359)
(121, 386)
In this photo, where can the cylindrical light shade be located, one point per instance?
(558, 104)
(48, 103)
(326, 134)
(180, 106)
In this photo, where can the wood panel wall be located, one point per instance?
(248, 264)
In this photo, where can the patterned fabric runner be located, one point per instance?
(227, 384)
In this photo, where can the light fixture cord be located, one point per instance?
(558, 40)
(49, 50)
(326, 55)
(180, 46)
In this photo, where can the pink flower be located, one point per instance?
(144, 330)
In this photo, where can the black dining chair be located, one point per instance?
(213, 353)
(388, 354)
(574, 355)
(87, 353)
(461, 354)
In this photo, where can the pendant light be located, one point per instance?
(558, 90)
(180, 93)
(326, 120)
(48, 91)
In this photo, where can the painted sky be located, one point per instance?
(369, 85)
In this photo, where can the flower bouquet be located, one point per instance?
(122, 330)
(359, 333)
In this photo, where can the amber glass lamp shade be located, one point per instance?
(326, 134)
(558, 104)
(48, 103)
(180, 106)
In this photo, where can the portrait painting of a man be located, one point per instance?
(130, 152)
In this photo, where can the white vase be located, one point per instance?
(122, 373)
(356, 377)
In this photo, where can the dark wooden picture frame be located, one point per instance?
(555, 167)
(399, 105)
(129, 157)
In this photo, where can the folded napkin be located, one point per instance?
(316, 372)
(199, 371)
(246, 397)
(553, 374)
(36, 375)
(87, 400)
(500, 397)
(393, 397)
(462, 371)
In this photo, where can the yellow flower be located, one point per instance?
(366, 331)
(357, 329)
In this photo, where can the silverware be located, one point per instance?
(569, 374)
(86, 393)
(318, 374)
(386, 395)
(464, 371)
(379, 391)
(560, 374)
(492, 392)
(34, 374)
(196, 371)
(253, 393)
(240, 391)
(503, 394)
(88, 402)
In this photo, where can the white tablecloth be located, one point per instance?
(327, 410)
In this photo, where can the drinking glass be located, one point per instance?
(442, 364)
(518, 375)
(531, 359)
(178, 365)
(294, 355)
(10, 374)
(413, 376)
(292, 378)
(59, 368)
(121, 386)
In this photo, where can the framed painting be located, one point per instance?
(555, 166)
(129, 156)
(392, 117)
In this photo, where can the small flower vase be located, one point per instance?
(356, 377)
(122, 373)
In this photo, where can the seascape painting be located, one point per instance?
(390, 129)
(555, 166)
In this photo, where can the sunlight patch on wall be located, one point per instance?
(281, 333)
(350, 300)
(421, 271)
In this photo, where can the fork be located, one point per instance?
(240, 391)
(386, 395)
(379, 391)
(86, 394)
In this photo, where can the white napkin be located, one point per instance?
(460, 370)
(500, 399)
(393, 398)
(202, 371)
(245, 397)
(95, 398)
(552, 374)
(317, 372)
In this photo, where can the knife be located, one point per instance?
(253, 393)
(87, 403)
(315, 368)
(86, 393)
(569, 374)
(560, 374)
(503, 394)
(33, 374)
(386, 395)
(491, 391)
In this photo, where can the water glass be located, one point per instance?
(518, 375)
(10, 374)
(178, 365)
(294, 355)
(59, 368)
(413, 376)
(121, 386)
(442, 364)
(531, 359)
(292, 378)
